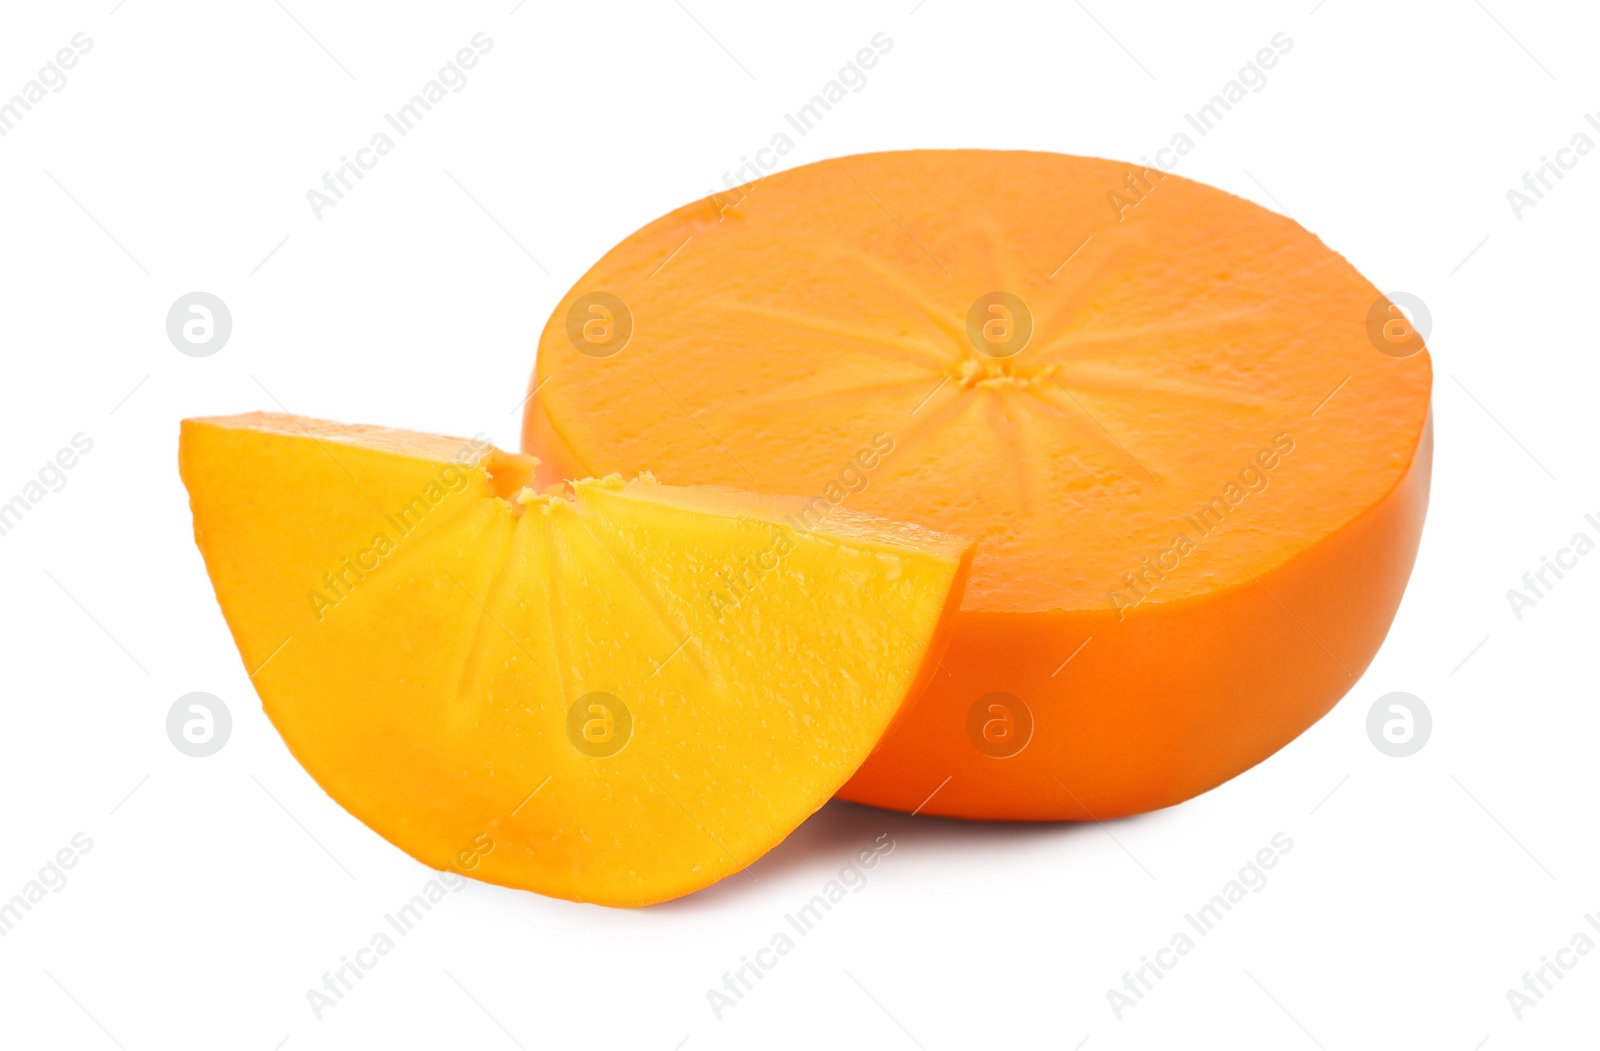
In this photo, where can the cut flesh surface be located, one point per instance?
(1191, 442)
(619, 694)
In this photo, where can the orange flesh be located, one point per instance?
(1195, 352)
(422, 629)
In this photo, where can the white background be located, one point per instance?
(219, 890)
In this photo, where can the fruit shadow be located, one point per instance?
(835, 835)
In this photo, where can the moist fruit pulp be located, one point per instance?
(617, 697)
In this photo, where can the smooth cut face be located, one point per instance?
(1069, 360)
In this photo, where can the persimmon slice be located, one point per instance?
(617, 695)
(1192, 443)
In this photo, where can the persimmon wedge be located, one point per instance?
(617, 694)
(1192, 444)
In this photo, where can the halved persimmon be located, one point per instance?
(1192, 443)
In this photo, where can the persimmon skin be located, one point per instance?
(1107, 740)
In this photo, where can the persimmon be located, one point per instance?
(619, 693)
(1192, 443)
